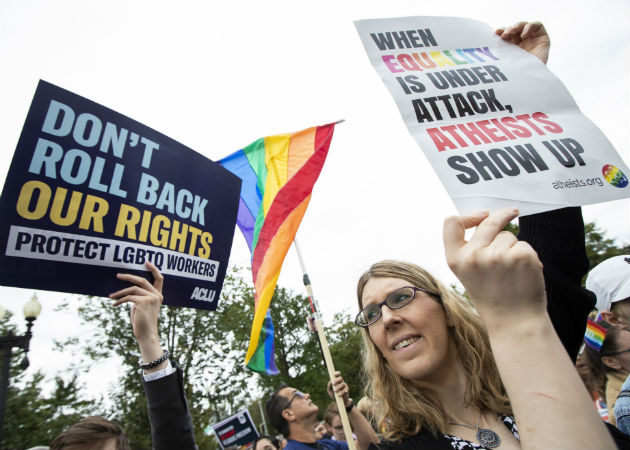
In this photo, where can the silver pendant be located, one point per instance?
(488, 438)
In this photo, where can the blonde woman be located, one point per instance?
(448, 376)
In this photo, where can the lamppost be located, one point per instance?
(31, 310)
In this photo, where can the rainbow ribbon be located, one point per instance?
(278, 174)
(595, 335)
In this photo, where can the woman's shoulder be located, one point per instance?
(425, 440)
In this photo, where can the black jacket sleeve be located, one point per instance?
(558, 238)
(171, 422)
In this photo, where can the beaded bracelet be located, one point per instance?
(157, 362)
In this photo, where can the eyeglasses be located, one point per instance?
(297, 394)
(396, 300)
(615, 353)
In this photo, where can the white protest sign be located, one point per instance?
(498, 127)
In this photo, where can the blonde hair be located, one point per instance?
(407, 408)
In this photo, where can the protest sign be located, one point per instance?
(238, 430)
(497, 126)
(91, 193)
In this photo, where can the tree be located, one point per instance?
(32, 417)
(189, 334)
(346, 348)
(298, 355)
(210, 348)
(598, 246)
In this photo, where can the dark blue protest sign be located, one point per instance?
(91, 193)
(236, 431)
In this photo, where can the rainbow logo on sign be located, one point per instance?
(614, 176)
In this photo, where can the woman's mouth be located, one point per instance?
(406, 342)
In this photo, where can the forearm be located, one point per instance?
(362, 429)
(550, 403)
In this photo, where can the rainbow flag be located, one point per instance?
(278, 174)
(595, 335)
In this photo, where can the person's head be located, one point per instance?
(412, 348)
(593, 378)
(265, 442)
(288, 407)
(92, 432)
(610, 282)
(333, 422)
(607, 347)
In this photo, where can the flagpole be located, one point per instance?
(343, 415)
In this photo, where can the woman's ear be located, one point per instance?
(612, 362)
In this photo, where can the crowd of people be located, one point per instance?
(517, 364)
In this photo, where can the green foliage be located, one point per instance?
(346, 348)
(599, 247)
(33, 417)
(210, 348)
(191, 336)
(512, 228)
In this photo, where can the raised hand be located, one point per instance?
(146, 299)
(502, 275)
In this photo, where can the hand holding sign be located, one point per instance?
(530, 36)
(146, 299)
(498, 128)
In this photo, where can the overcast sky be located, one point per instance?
(215, 76)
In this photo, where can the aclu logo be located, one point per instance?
(203, 294)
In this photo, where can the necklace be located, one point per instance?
(485, 437)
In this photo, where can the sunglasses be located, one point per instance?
(396, 300)
(297, 394)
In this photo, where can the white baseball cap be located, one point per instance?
(610, 281)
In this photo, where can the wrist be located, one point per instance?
(157, 364)
(524, 329)
(507, 319)
(349, 405)
(162, 366)
(150, 348)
